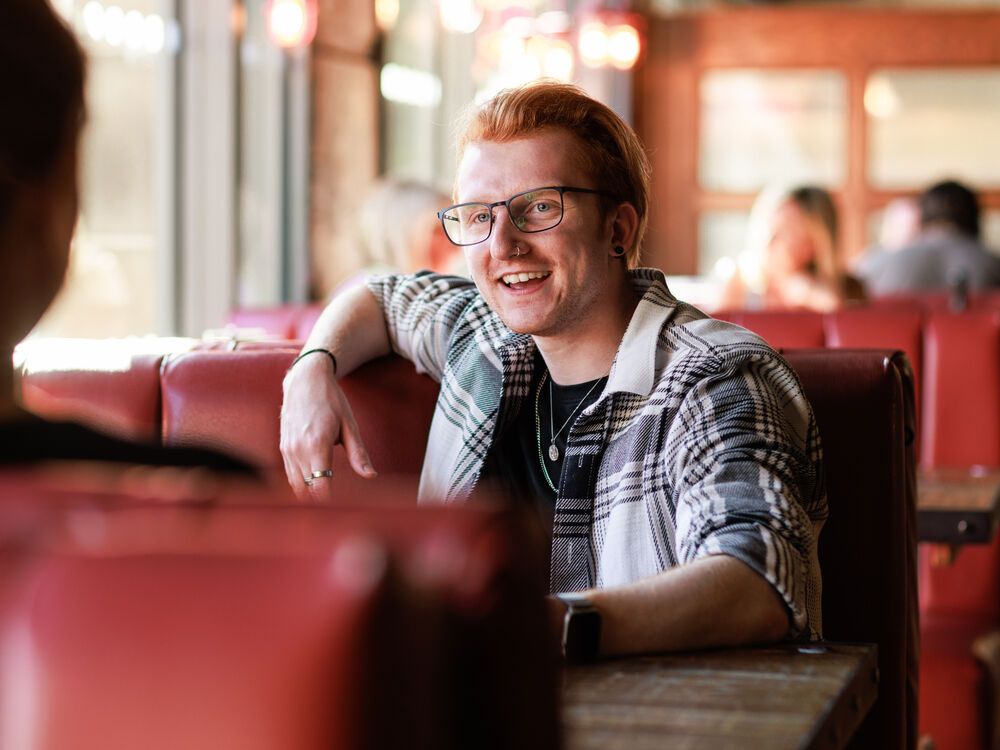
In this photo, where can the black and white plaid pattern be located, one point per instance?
(702, 442)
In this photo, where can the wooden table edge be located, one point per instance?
(846, 711)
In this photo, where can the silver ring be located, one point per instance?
(517, 251)
(318, 474)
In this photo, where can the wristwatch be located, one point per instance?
(581, 634)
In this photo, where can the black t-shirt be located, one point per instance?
(34, 440)
(515, 463)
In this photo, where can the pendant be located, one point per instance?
(553, 452)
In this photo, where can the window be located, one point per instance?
(733, 101)
(127, 171)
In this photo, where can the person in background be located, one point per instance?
(41, 98)
(398, 232)
(947, 254)
(673, 458)
(900, 227)
(799, 264)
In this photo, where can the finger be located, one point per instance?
(357, 454)
(294, 473)
(291, 474)
(321, 488)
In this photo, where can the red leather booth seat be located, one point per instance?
(863, 401)
(962, 390)
(936, 301)
(361, 626)
(121, 397)
(232, 401)
(782, 329)
(293, 321)
(888, 329)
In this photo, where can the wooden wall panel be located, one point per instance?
(344, 164)
(345, 135)
(681, 48)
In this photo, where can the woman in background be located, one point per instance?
(799, 264)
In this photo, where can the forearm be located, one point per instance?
(352, 327)
(714, 601)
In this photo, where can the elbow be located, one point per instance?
(771, 621)
(774, 624)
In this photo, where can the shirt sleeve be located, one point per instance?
(749, 482)
(421, 315)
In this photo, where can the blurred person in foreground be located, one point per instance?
(947, 253)
(799, 264)
(41, 97)
(672, 457)
(398, 232)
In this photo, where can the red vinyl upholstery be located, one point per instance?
(203, 626)
(292, 321)
(230, 401)
(277, 321)
(117, 394)
(782, 329)
(962, 390)
(863, 401)
(860, 328)
(207, 398)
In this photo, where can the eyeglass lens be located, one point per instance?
(533, 211)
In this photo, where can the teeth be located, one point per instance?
(515, 278)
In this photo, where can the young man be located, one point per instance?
(675, 455)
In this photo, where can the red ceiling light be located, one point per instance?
(291, 24)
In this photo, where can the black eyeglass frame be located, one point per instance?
(563, 189)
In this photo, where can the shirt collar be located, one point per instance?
(633, 369)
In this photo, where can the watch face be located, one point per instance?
(581, 634)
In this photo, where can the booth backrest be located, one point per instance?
(371, 624)
(119, 396)
(232, 401)
(962, 390)
(955, 359)
(288, 321)
(782, 329)
(864, 408)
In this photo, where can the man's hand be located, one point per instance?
(315, 416)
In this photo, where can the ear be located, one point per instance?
(624, 225)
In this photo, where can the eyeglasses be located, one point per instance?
(531, 211)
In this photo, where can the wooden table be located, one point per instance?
(958, 506)
(784, 696)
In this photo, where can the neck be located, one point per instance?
(587, 354)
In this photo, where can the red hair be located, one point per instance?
(608, 148)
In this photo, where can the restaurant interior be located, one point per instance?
(244, 162)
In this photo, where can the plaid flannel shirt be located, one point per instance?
(701, 443)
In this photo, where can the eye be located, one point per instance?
(542, 207)
(483, 217)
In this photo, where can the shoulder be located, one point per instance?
(422, 287)
(685, 342)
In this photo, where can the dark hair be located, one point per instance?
(41, 93)
(953, 204)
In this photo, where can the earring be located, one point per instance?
(617, 251)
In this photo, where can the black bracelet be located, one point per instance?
(307, 352)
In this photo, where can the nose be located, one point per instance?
(505, 238)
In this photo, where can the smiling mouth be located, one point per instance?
(520, 278)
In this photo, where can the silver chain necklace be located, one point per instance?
(553, 433)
